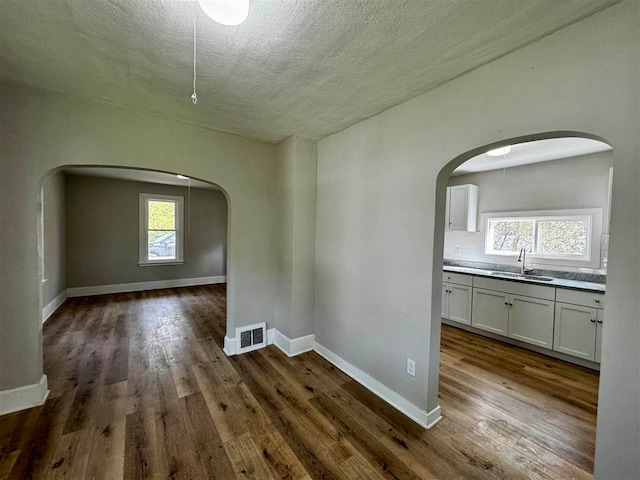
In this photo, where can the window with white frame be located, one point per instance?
(566, 235)
(161, 232)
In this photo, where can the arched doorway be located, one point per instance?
(192, 262)
(537, 256)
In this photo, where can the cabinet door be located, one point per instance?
(531, 320)
(575, 330)
(445, 300)
(599, 326)
(490, 311)
(458, 208)
(460, 297)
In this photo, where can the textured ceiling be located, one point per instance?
(533, 152)
(305, 67)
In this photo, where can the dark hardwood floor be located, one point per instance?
(140, 388)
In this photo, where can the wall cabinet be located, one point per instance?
(462, 208)
(578, 331)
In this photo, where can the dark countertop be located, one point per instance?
(556, 282)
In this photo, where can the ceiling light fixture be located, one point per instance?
(226, 12)
(182, 177)
(498, 152)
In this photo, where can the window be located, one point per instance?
(567, 235)
(161, 236)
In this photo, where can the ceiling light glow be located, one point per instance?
(498, 152)
(226, 12)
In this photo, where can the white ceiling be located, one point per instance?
(533, 152)
(309, 67)
(146, 176)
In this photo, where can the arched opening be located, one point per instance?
(533, 244)
(110, 236)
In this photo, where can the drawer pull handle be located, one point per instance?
(593, 320)
(506, 303)
(600, 322)
(597, 301)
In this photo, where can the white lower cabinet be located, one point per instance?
(490, 311)
(567, 321)
(531, 320)
(599, 325)
(522, 318)
(456, 302)
(576, 330)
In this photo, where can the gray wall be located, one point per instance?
(380, 214)
(103, 231)
(296, 237)
(42, 131)
(572, 183)
(54, 245)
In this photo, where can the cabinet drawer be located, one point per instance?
(515, 288)
(457, 278)
(576, 297)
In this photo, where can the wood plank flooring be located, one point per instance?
(140, 388)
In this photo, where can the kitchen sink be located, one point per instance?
(520, 276)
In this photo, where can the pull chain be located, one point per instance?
(194, 96)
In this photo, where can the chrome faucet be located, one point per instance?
(523, 258)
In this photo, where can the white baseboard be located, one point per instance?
(229, 346)
(24, 397)
(293, 346)
(290, 346)
(140, 286)
(53, 305)
(421, 417)
(296, 346)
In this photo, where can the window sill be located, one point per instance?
(158, 264)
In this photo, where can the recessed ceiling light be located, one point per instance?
(226, 12)
(499, 151)
(182, 177)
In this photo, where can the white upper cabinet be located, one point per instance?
(462, 208)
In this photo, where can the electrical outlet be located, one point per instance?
(411, 367)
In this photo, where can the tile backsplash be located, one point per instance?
(469, 246)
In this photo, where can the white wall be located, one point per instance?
(40, 131)
(379, 241)
(572, 183)
(54, 241)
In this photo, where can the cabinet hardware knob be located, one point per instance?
(600, 322)
(597, 301)
(506, 303)
(593, 320)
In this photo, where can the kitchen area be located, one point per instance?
(526, 247)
